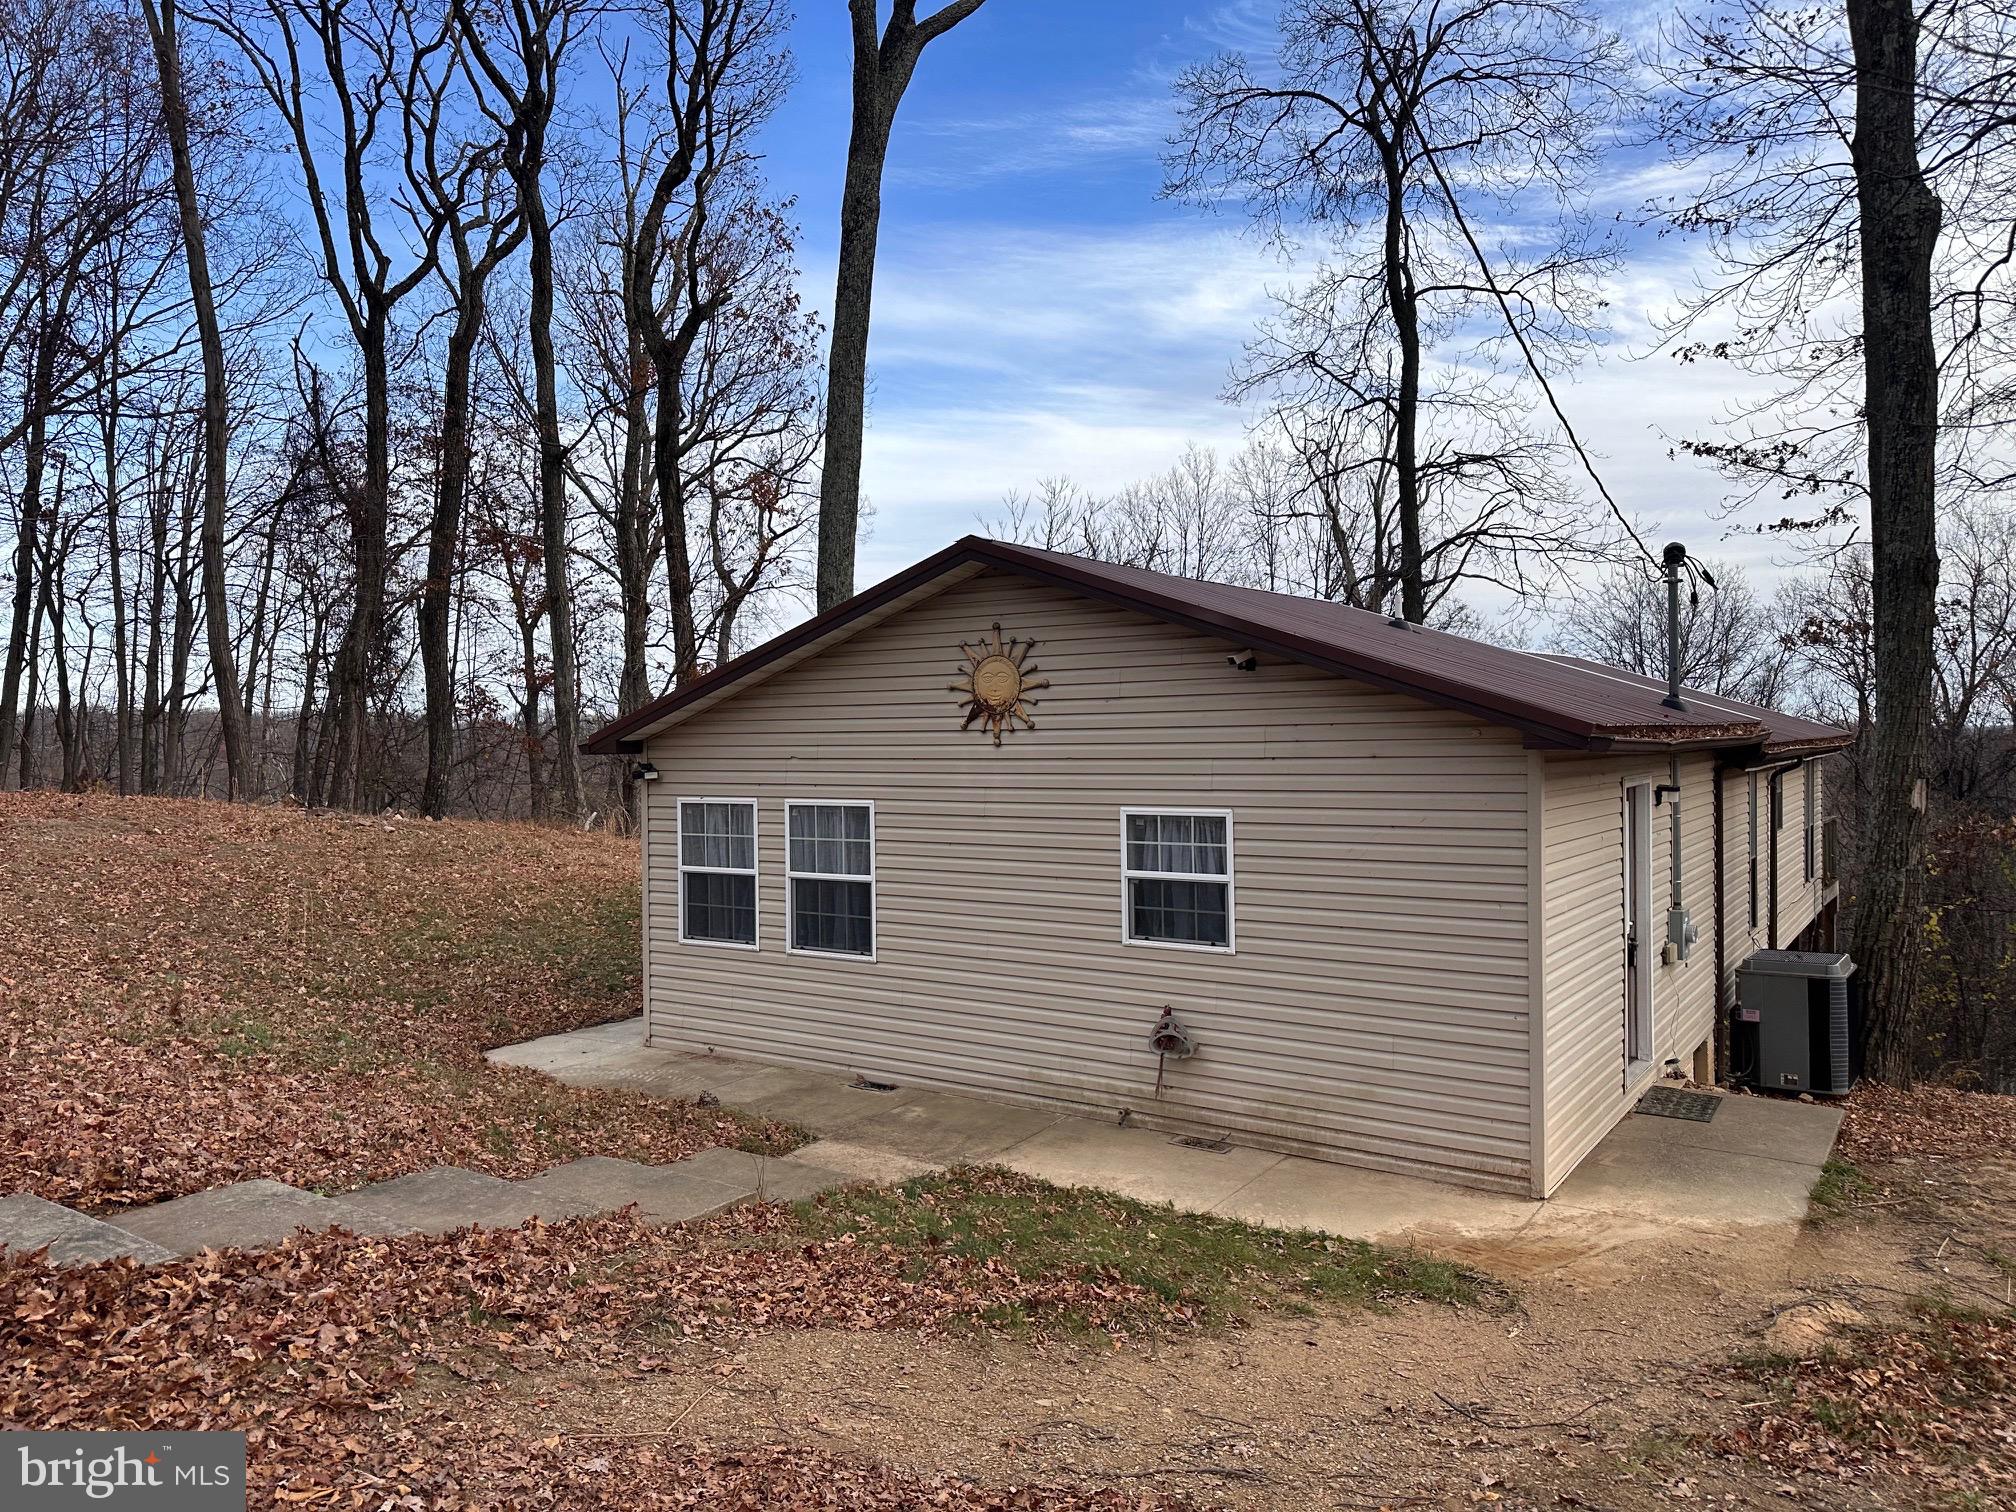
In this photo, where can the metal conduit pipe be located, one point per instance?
(1679, 927)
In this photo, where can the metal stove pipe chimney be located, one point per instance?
(1675, 555)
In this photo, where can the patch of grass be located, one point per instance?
(590, 951)
(1841, 1188)
(2001, 1259)
(1213, 1269)
(1657, 1450)
(247, 1034)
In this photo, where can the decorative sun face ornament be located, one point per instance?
(997, 680)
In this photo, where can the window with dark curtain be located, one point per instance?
(1177, 868)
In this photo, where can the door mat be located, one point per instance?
(1678, 1102)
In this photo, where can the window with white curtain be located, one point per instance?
(717, 871)
(1176, 876)
(831, 876)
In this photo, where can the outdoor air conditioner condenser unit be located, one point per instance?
(1796, 1022)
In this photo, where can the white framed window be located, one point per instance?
(830, 876)
(717, 872)
(1176, 878)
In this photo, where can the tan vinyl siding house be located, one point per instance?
(1591, 1078)
(1392, 924)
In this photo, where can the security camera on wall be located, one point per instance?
(1242, 661)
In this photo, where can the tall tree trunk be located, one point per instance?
(259, 657)
(182, 642)
(633, 536)
(444, 532)
(34, 458)
(530, 726)
(32, 705)
(847, 356)
(882, 69)
(122, 668)
(1404, 307)
(155, 620)
(672, 516)
(1900, 220)
(564, 774)
(349, 692)
(55, 607)
(304, 718)
(216, 433)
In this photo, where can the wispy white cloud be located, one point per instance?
(964, 151)
(1004, 356)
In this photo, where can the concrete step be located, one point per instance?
(245, 1215)
(437, 1200)
(764, 1178)
(662, 1194)
(253, 1214)
(72, 1238)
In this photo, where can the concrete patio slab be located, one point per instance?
(937, 1126)
(1377, 1205)
(29, 1223)
(812, 1100)
(244, 1215)
(1766, 1127)
(1752, 1167)
(1137, 1163)
(1660, 1173)
(555, 1053)
(666, 1073)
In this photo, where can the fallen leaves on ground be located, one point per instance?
(1931, 1403)
(315, 1348)
(198, 993)
(1886, 1124)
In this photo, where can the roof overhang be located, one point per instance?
(1541, 728)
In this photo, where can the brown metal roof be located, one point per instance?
(1784, 734)
(1558, 702)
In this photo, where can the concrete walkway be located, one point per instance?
(1753, 1165)
(256, 1214)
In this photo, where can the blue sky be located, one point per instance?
(1040, 311)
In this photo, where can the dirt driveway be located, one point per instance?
(1606, 1384)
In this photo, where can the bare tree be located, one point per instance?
(1830, 142)
(521, 58)
(79, 170)
(482, 227)
(1729, 639)
(723, 77)
(161, 27)
(1242, 522)
(1398, 125)
(379, 68)
(885, 57)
